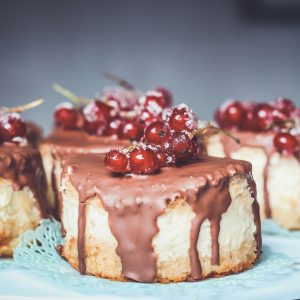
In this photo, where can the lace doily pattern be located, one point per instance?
(37, 253)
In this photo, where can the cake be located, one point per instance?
(22, 199)
(114, 120)
(159, 210)
(23, 183)
(186, 223)
(269, 139)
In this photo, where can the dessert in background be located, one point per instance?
(22, 180)
(269, 139)
(115, 119)
(160, 210)
(34, 134)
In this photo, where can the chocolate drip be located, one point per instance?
(81, 237)
(209, 203)
(138, 225)
(134, 203)
(262, 141)
(23, 166)
(56, 212)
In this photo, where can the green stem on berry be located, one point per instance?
(120, 81)
(70, 95)
(210, 130)
(230, 135)
(21, 108)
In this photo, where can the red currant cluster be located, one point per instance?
(116, 114)
(280, 116)
(12, 128)
(165, 143)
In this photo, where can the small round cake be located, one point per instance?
(23, 193)
(183, 223)
(269, 139)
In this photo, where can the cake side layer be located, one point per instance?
(134, 203)
(284, 190)
(276, 176)
(19, 211)
(238, 247)
(24, 168)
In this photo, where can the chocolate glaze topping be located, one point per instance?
(209, 202)
(135, 202)
(262, 141)
(23, 166)
(76, 141)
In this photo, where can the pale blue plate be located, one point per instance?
(276, 275)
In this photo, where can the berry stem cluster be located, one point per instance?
(121, 112)
(165, 143)
(12, 126)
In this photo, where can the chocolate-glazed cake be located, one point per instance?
(185, 223)
(269, 139)
(23, 193)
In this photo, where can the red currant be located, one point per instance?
(92, 127)
(12, 127)
(117, 161)
(167, 95)
(66, 116)
(249, 123)
(145, 117)
(143, 161)
(234, 114)
(96, 115)
(130, 130)
(284, 105)
(113, 126)
(121, 98)
(285, 142)
(219, 118)
(182, 119)
(182, 146)
(155, 102)
(194, 151)
(263, 115)
(157, 133)
(165, 157)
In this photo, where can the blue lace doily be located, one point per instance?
(37, 253)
